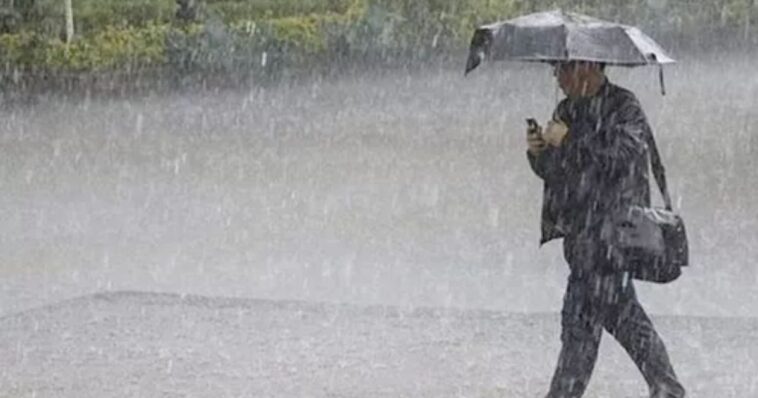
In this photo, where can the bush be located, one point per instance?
(430, 24)
(270, 34)
(110, 49)
(22, 50)
(232, 11)
(256, 45)
(93, 16)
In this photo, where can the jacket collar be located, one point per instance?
(592, 104)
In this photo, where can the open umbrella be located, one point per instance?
(557, 36)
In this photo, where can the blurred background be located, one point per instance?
(331, 150)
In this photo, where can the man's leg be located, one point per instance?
(580, 338)
(633, 329)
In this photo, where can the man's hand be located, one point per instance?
(534, 140)
(555, 133)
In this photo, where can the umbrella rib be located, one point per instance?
(624, 33)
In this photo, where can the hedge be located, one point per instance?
(116, 34)
(109, 49)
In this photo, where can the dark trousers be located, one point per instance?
(597, 299)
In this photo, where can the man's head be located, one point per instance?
(579, 78)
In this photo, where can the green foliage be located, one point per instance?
(256, 45)
(92, 16)
(440, 23)
(47, 16)
(112, 48)
(687, 17)
(232, 11)
(10, 20)
(297, 32)
(24, 49)
(242, 34)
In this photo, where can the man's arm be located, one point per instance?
(545, 163)
(545, 160)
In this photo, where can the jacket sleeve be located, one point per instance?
(546, 165)
(621, 141)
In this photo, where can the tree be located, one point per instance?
(69, 21)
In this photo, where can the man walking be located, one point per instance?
(593, 159)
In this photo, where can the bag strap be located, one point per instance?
(659, 172)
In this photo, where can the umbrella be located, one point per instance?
(557, 36)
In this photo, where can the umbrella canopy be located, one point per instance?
(556, 36)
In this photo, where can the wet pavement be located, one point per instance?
(130, 344)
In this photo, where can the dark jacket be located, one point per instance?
(600, 168)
